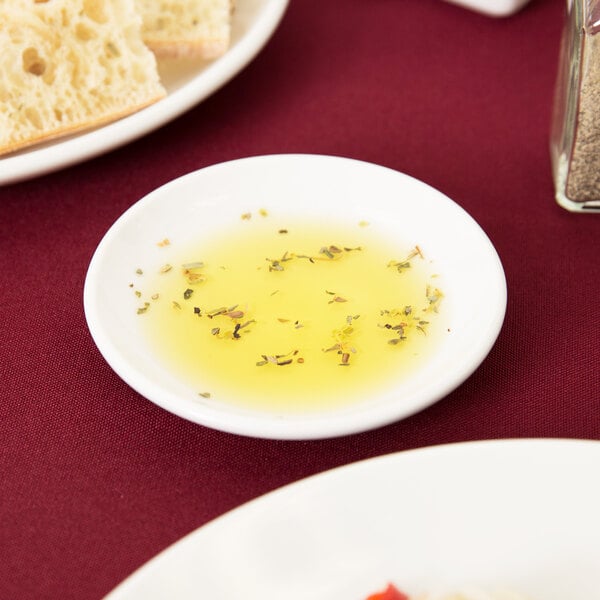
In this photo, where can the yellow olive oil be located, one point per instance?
(292, 316)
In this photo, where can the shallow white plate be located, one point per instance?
(520, 514)
(494, 8)
(324, 189)
(187, 83)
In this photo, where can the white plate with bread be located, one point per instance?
(66, 94)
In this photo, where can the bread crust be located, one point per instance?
(186, 28)
(46, 136)
(206, 49)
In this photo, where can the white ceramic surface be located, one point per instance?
(520, 514)
(322, 188)
(493, 8)
(187, 82)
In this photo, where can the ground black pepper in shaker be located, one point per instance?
(575, 138)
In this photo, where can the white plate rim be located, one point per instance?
(64, 152)
(516, 454)
(259, 425)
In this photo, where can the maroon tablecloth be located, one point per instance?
(95, 479)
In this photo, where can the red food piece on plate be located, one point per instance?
(390, 593)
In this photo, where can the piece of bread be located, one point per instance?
(186, 28)
(67, 65)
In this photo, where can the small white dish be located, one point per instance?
(187, 82)
(493, 8)
(511, 514)
(303, 186)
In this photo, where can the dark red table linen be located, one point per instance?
(95, 479)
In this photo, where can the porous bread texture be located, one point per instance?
(186, 28)
(67, 65)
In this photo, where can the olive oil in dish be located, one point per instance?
(291, 316)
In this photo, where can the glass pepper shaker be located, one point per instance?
(575, 136)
